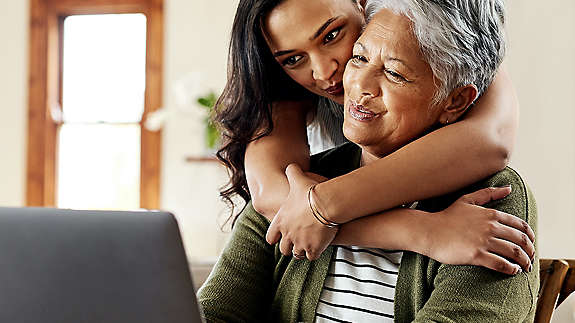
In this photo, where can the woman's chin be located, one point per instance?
(360, 137)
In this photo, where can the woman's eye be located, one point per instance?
(331, 36)
(292, 60)
(397, 77)
(358, 59)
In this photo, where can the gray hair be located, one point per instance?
(462, 40)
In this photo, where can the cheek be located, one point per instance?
(406, 110)
(302, 76)
(345, 50)
(349, 79)
(411, 120)
(402, 100)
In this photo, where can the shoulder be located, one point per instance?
(336, 161)
(507, 176)
(520, 202)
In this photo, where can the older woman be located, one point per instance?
(419, 65)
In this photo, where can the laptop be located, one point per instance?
(93, 266)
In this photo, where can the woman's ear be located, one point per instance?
(458, 102)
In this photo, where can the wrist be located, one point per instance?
(326, 204)
(425, 230)
(415, 233)
(313, 206)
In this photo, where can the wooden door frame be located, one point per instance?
(44, 96)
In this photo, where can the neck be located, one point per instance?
(367, 158)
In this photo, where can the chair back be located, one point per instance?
(568, 282)
(552, 273)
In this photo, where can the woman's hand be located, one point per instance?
(466, 233)
(300, 232)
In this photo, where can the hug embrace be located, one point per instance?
(408, 212)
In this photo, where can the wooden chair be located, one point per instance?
(568, 282)
(557, 281)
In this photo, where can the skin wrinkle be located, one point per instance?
(384, 55)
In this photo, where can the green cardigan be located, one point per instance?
(253, 282)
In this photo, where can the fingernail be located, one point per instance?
(519, 270)
(530, 268)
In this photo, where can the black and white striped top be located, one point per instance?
(360, 286)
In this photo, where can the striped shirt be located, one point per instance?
(360, 286)
(325, 131)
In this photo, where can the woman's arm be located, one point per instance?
(267, 158)
(447, 159)
(463, 234)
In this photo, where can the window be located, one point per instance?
(95, 73)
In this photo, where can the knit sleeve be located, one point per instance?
(477, 294)
(240, 288)
(471, 294)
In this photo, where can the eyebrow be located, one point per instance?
(319, 31)
(360, 45)
(283, 52)
(323, 27)
(387, 58)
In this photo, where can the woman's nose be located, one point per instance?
(324, 70)
(365, 84)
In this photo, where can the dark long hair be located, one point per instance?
(255, 80)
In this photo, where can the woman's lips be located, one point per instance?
(361, 113)
(335, 90)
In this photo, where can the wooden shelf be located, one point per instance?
(202, 159)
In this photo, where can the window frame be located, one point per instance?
(45, 93)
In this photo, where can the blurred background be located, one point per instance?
(99, 148)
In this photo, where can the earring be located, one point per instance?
(447, 120)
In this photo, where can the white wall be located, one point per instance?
(13, 96)
(541, 61)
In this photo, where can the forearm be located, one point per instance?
(267, 157)
(443, 161)
(420, 170)
(397, 229)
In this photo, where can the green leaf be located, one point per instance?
(205, 102)
(212, 135)
(209, 100)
